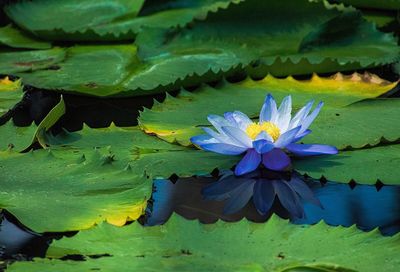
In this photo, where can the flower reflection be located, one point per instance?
(264, 187)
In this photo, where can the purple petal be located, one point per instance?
(225, 149)
(263, 196)
(276, 159)
(238, 136)
(249, 163)
(269, 110)
(263, 146)
(311, 149)
(288, 198)
(287, 137)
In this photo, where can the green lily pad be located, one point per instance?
(70, 191)
(105, 19)
(10, 94)
(13, 37)
(339, 123)
(223, 44)
(364, 166)
(377, 4)
(182, 245)
(12, 62)
(141, 153)
(52, 19)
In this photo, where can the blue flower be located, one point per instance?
(263, 190)
(265, 141)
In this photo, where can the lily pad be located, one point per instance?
(377, 4)
(364, 166)
(10, 94)
(12, 62)
(105, 19)
(340, 123)
(13, 37)
(182, 245)
(246, 36)
(52, 19)
(140, 153)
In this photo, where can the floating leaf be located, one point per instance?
(16, 38)
(182, 245)
(141, 153)
(17, 138)
(365, 166)
(105, 19)
(222, 45)
(70, 190)
(10, 94)
(339, 123)
(52, 19)
(19, 61)
(377, 4)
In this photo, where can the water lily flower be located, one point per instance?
(266, 141)
(264, 191)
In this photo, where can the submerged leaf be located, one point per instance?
(182, 245)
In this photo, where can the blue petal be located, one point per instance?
(276, 159)
(218, 137)
(238, 136)
(249, 163)
(263, 196)
(288, 198)
(242, 120)
(202, 139)
(225, 149)
(285, 110)
(300, 136)
(311, 149)
(301, 188)
(240, 197)
(309, 119)
(269, 110)
(217, 121)
(229, 117)
(300, 115)
(263, 146)
(287, 137)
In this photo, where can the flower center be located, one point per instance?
(256, 128)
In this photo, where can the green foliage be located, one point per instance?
(12, 62)
(182, 245)
(378, 4)
(241, 36)
(16, 38)
(105, 19)
(10, 94)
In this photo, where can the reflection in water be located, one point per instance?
(363, 205)
(264, 188)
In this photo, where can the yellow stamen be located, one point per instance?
(256, 128)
